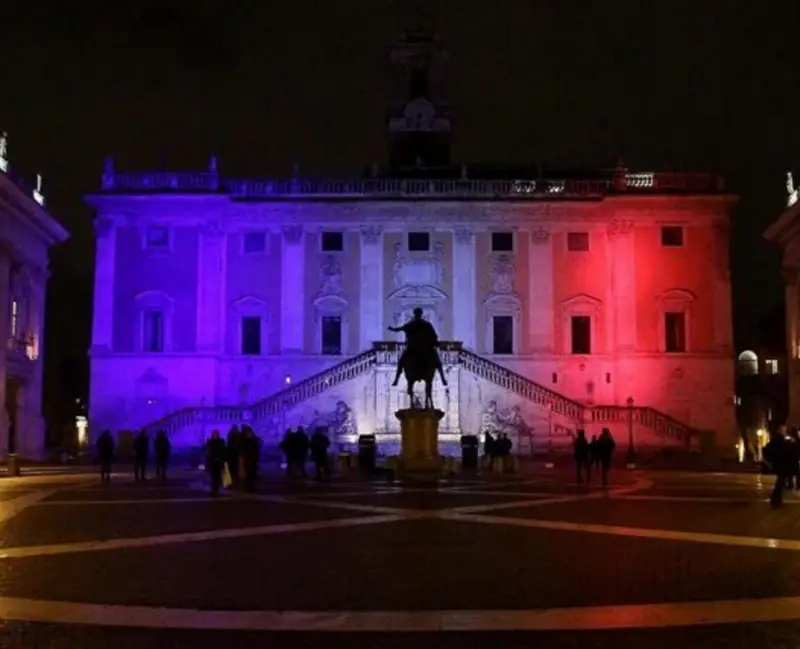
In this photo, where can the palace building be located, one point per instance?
(566, 299)
(27, 232)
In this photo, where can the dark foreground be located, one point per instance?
(657, 560)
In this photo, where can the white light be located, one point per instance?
(791, 191)
(288, 379)
(640, 180)
(82, 426)
(3, 151)
(760, 433)
(37, 193)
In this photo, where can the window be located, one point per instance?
(14, 318)
(157, 237)
(153, 331)
(419, 241)
(577, 241)
(332, 335)
(672, 236)
(503, 334)
(772, 366)
(502, 242)
(581, 330)
(254, 242)
(332, 242)
(251, 336)
(675, 331)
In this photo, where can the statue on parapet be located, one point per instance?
(420, 360)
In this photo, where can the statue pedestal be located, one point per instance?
(419, 434)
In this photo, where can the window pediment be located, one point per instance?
(419, 292)
(676, 298)
(154, 300)
(581, 304)
(331, 304)
(250, 305)
(506, 303)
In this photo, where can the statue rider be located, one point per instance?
(421, 340)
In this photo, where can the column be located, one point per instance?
(723, 314)
(540, 288)
(103, 318)
(621, 256)
(464, 287)
(5, 270)
(293, 273)
(791, 277)
(372, 296)
(30, 423)
(211, 279)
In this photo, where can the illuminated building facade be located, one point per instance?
(569, 300)
(27, 232)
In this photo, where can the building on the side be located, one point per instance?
(568, 299)
(27, 232)
(785, 232)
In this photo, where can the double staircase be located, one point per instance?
(578, 414)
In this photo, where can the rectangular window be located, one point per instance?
(251, 336)
(577, 241)
(672, 236)
(502, 242)
(332, 335)
(581, 330)
(153, 331)
(419, 241)
(254, 243)
(157, 237)
(332, 241)
(675, 331)
(772, 366)
(503, 334)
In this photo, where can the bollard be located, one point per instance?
(13, 464)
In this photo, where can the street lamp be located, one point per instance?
(631, 456)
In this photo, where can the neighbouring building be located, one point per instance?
(27, 232)
(785, 232)
(568, 299)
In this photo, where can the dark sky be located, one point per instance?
(696, 85)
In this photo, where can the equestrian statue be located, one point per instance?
(420, 360)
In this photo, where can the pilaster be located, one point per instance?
(791, 279)
(211, 278)
(723, 315)
(621, 251)
(371, 286)
(292, 289)
(105, 268)
(5, 270)
(540, 288)
(464, 287)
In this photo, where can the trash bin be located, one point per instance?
(13, 464)
(469, 452)
(366, 453)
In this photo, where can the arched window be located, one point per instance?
(748, 363)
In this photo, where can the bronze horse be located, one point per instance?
(420, 367)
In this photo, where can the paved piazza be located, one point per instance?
(657, 560)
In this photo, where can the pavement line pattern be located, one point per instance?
(705, 499)
(189, 537)
(134, 501)
(637, 532)
(15, 506)
(661, 615)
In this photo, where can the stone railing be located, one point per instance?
(400, 188)
(659, 422)
(180, 419)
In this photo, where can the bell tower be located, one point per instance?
(419, 124)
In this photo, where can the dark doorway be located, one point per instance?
(332, 335)
(503, 334)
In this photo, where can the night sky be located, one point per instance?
(694, 85)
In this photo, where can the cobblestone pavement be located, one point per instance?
(655, 560)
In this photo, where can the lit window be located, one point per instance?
(153, 331)
(157, 237)
(577, 241)
(771, 365)
(254, 242)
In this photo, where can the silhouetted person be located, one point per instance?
(580, 453)
(488, 446)
(234, 450)
(778, 456)
(250, 451)
(793, 459)
(215, 460)
(141, 449)
(162, 448)
(319, 454)
(300, 444)
(604, 450)
(593, 459)
(105, 454)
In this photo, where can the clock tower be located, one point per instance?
(419, 125)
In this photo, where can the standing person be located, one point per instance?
(234, 452)
(605, 451)
(215, 460)
(250, 451)
(319, 454)
(141, 449)
(593, 458)
(162, 448)
(580, 453)
(300, 448)
(105, 455)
